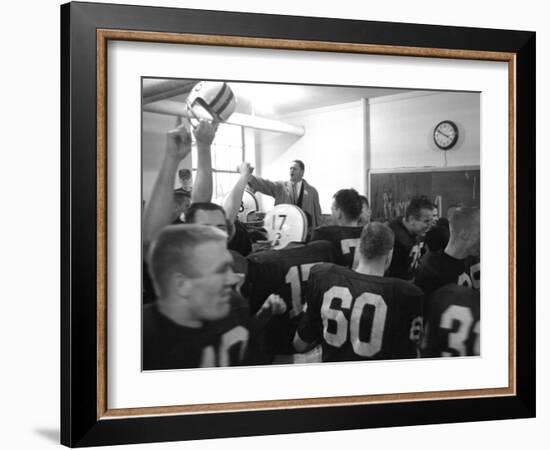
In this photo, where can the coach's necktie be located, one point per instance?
(294, 194)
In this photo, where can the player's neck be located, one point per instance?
(456, 251)
(178, 313)
(374, 268)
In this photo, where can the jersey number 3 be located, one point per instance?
(458, 320)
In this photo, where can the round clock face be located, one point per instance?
(445, 134)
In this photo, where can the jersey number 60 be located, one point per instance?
(340, 336)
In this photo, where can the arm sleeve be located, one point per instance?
(317, 209)
(264, 186)
(318, 235)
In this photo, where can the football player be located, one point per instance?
(344, 235)
(437, 236)
(241, 242)
(198, 319)
(452, 323)
(409, 238)
(158, 211)
(458, 263)
(359, 314)
(284, 272)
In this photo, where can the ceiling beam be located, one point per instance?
(173, 108)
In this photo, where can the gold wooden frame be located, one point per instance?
(103, 36)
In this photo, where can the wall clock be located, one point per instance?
(445, 134)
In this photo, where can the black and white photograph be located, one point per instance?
(226, 225)
(275, 224)
(302, 223)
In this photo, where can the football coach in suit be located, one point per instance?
(296, 191)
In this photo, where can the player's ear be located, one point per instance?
(181, 284)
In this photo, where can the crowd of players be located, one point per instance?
(355, 290)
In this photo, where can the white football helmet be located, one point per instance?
(285, 224)
(249, 207)
(210, 100)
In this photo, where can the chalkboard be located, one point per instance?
(390, 193)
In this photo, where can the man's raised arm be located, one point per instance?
(158, 211)
(232, 203)
(202, 188)
(264, 186)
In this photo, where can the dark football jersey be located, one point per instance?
(361, 317)
(438, 269)
(452, 326)
(284, 272)
(345, 241)
(437, 236)
(240, 242)
(167, 345)
(407, 252)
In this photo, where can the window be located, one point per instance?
(227, 154)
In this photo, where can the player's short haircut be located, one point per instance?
(377, 240)
(190, 215)
(364, 200)
(201, 206)
(416, 205)
(463, 219)
(349, 201)
(300, 163)
(173, 251)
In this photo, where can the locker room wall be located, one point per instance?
(332, 149)
(401, 130)
(339, 147)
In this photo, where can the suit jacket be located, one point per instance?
(281, 191)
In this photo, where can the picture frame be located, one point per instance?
(85, 416)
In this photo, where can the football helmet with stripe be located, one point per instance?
(210, 100)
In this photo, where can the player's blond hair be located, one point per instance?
(376, 240)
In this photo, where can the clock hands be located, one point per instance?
(441, 132)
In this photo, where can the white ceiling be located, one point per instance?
(274, 100)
